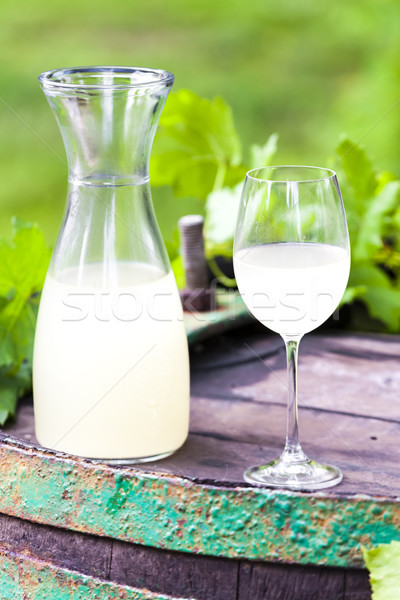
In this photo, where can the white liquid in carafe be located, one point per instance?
(111, 366)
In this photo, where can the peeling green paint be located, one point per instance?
(230, 314)
(122, 489)
(22, 578)
(177, 514)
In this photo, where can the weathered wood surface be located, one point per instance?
(349, 405)
(196, 501)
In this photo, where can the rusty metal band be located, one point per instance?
(176, 513)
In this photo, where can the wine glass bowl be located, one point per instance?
(292, 262)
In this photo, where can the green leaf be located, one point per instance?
(370, 235)
(384, 304)
(179, 272)
(380, 297)
(8, 355)
(358, 169)
(219, 225)
(383, 178)
(372, 206)
(23, 266)
(368, 275)
(17, 224)
(396, 218)
(235, 175)
(12, 385)
(8, 400)
(261, 156)
(24, 262)
(196, 145)
(172, 249)
(353, 293)
(383, 564)
(9, 392)
(5, 300)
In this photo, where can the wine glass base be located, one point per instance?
(306, 475)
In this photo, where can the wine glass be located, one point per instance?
(292, 261)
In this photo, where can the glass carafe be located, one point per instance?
(111, 369)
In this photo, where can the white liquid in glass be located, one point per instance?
(111, 366)
(292, 288)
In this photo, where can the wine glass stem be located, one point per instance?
(292, 451)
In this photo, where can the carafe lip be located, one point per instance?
(68, 78)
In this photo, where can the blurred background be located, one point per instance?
(307, 70)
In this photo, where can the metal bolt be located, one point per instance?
(192, 246)
(197, 296)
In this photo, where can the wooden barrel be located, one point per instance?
(188, 526)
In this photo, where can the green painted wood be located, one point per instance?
(23, 578)
(230, 312)
(241, 522)
(177, 573)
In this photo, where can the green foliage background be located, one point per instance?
(308, 70)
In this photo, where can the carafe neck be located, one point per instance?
(108, 117)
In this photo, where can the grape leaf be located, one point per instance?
(9, 393)
(23, 266)
(24, 262)
(367, 274)
(222, 205)
(358, 169)
(384, 304)
(372, 200)
(353, 293)
(380, 296)
(261, 156)
(383, 564)
(219, 225)
(196, 145)
(11, 386)
(371, 231)
(179, 271)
